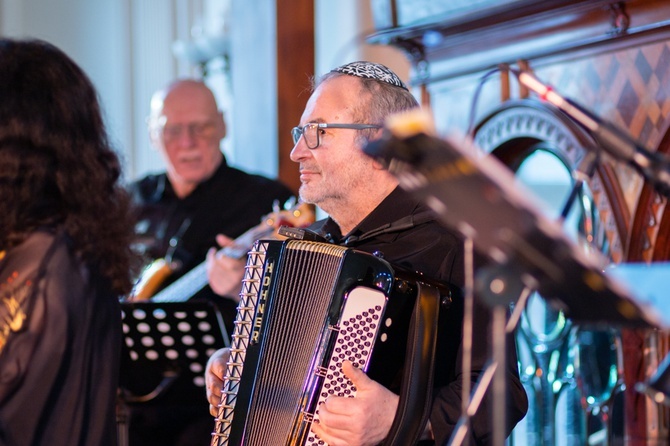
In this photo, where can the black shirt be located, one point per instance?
(229, 203)
(183, 230)
(409, 235)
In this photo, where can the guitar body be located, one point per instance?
(150, 284)
(152, 279)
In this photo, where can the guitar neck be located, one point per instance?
(195, 280)
(185, 287)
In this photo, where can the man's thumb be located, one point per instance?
(355, 375)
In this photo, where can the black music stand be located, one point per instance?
(480, 197)
(165, 351)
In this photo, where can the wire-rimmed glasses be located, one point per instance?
(170, 132)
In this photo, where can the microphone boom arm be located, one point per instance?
(653, 166)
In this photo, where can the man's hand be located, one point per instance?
(364, 420)
(224, 273)
(216, 368)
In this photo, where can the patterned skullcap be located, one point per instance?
(371, 70)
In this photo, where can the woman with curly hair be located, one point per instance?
(65, 233)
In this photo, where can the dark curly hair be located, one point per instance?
(57, 167)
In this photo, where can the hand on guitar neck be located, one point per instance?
(223, 269)
(225, 272)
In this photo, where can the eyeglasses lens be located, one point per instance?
(200, 130)
(309, 132)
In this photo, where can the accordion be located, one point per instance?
(305, 308)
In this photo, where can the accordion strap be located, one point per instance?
(417, 384)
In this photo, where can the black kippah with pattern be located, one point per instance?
(371, 70)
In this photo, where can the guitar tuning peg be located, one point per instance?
(288, 204)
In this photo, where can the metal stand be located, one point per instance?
(499, 286)
(448, 177)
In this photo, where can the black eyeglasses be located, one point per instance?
(312, 130)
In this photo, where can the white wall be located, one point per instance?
(125, 48)
(95, 35)
(341, 27)
(253, 74)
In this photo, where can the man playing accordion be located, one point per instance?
(369, 212)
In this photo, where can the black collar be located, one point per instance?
(397, 212)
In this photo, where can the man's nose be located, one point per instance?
(300, 150)
(187, 135)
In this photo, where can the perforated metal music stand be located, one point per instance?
(165, 351)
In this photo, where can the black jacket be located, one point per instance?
(230, 202)
(60, 341)
(409, 235)
(183, 230)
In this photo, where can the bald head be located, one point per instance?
(182, 92)
(186, 126)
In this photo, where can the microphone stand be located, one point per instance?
(653, 166)
(498, 287)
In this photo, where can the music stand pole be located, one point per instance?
(121, 420)
(498, 333)
(468, 253)
(494, 288)
(499, 385)
(502, 288)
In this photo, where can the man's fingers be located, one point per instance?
(216, 368)
(328, 436)
(214, 389)
(335, 412)
(211, 255)
(224, 241)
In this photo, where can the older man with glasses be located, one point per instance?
(199, 202)
(368, 211)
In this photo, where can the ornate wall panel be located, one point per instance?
(630, 88)
(649, 242)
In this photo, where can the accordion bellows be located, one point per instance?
(305, 308)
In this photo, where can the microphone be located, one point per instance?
(653, 166)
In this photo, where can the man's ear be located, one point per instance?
(154, 137)
(153, 131)
(221, 121)
(377, 164)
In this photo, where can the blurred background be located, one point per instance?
(130, 48)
